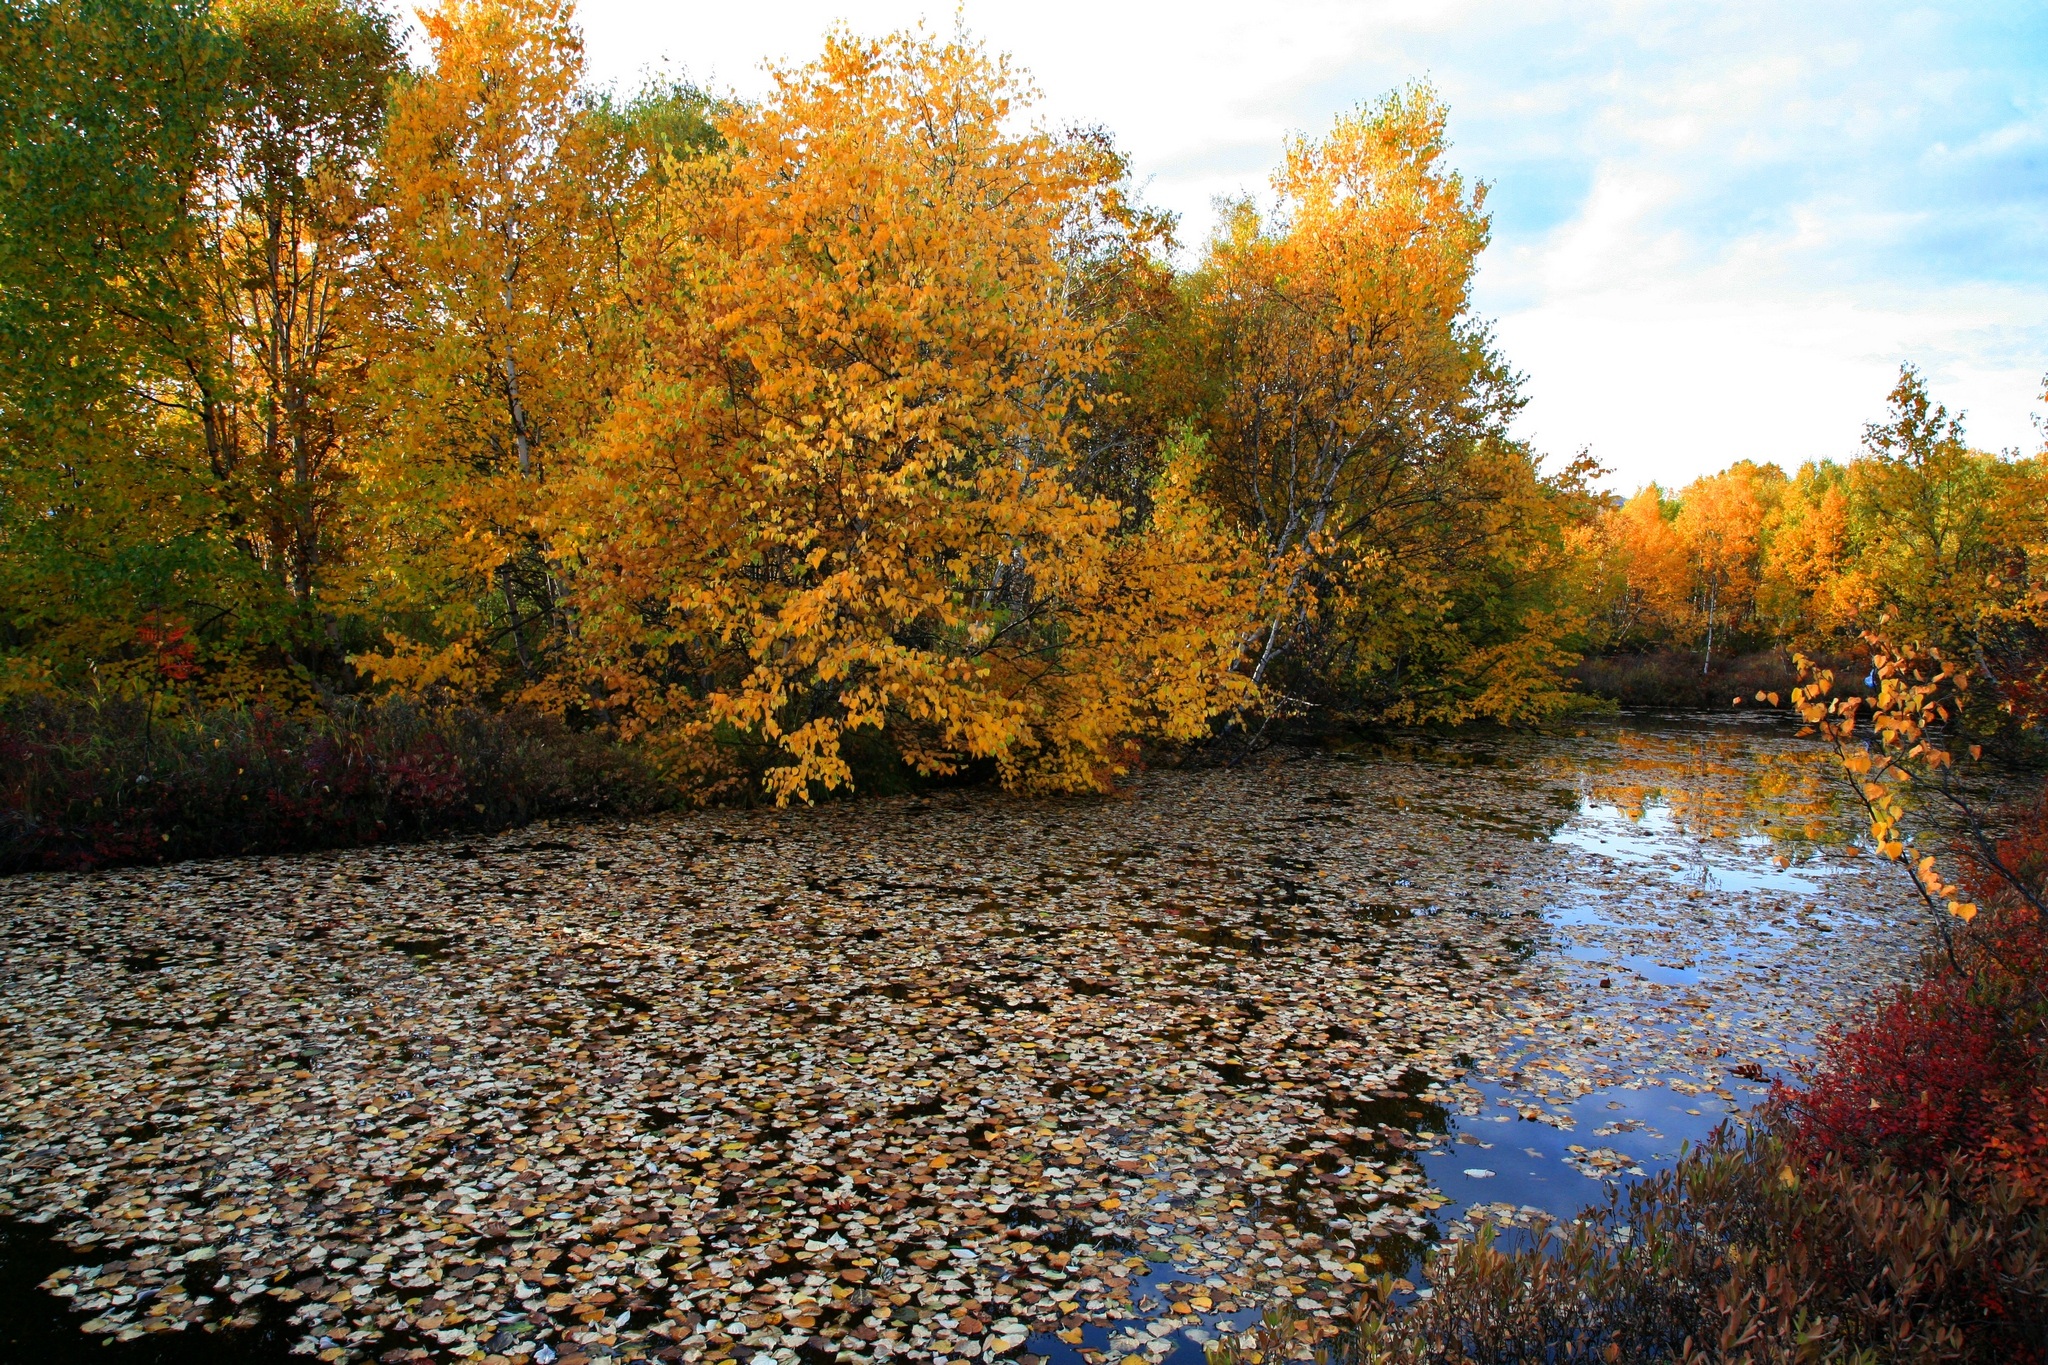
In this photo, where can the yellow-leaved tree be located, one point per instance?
(1358, 420)
(1720, 524)
(1942, 531)
(268, 348)
(1650, 583)
(836, 506)
(1811, 589)
(510, 190)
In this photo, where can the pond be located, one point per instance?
(949, 1077)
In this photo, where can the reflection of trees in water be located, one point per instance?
(1719, 787)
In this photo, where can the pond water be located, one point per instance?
(955, 1077)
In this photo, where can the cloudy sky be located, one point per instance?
(1719, 227)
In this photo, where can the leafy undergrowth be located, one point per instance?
(1957, 1063)
(1674, 678)
(1954, 1064)
(101, 784)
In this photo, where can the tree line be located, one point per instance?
(1919, 532)
(866, 416)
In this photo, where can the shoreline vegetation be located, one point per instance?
(120, 783)
(160, 777)
(867, 427)
(401, 442)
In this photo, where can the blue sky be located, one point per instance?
(1719, 228)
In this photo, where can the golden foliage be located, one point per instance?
(1919, 530)
(1809, 588)
(1651, 588)
(869, 426)
(836, 499)
(1359, 431)
(500, 260)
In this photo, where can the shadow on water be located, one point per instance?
(37, 1328)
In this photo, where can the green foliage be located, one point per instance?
(107, 119)
(171, 402)
(666, 119)
(1940, 530)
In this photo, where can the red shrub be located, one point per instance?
(1922, 1079)
(1952, 1069)
(1955, 1067)
(176, 656)
(2022, 856)
(426, 779)
(2017, 1150)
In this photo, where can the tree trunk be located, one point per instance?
(1707, 662)
(520, 443)
(512, 608)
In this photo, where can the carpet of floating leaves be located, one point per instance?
(949, 1077)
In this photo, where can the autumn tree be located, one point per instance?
(107, 118)
(1492, 617)
(1649, 584)
(510, 192)
(1358, 422)
(1810, 592)
(1941, 530)
(211, 319)
(1720, 525)
(837, 502)
(1919, 534)
(271, 357)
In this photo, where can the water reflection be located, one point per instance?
(1655, 837)
(1698, 855)
(1503, 1168)
(1710, 786)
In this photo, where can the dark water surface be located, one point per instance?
(1347, 1005)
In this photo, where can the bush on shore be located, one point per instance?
(1952, 1064)
(88, 784)
(1957, 1062)
(1673, 678)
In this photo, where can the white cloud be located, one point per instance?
(1667, 383)
(1720, 224)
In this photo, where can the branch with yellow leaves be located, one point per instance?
(1914, 728)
